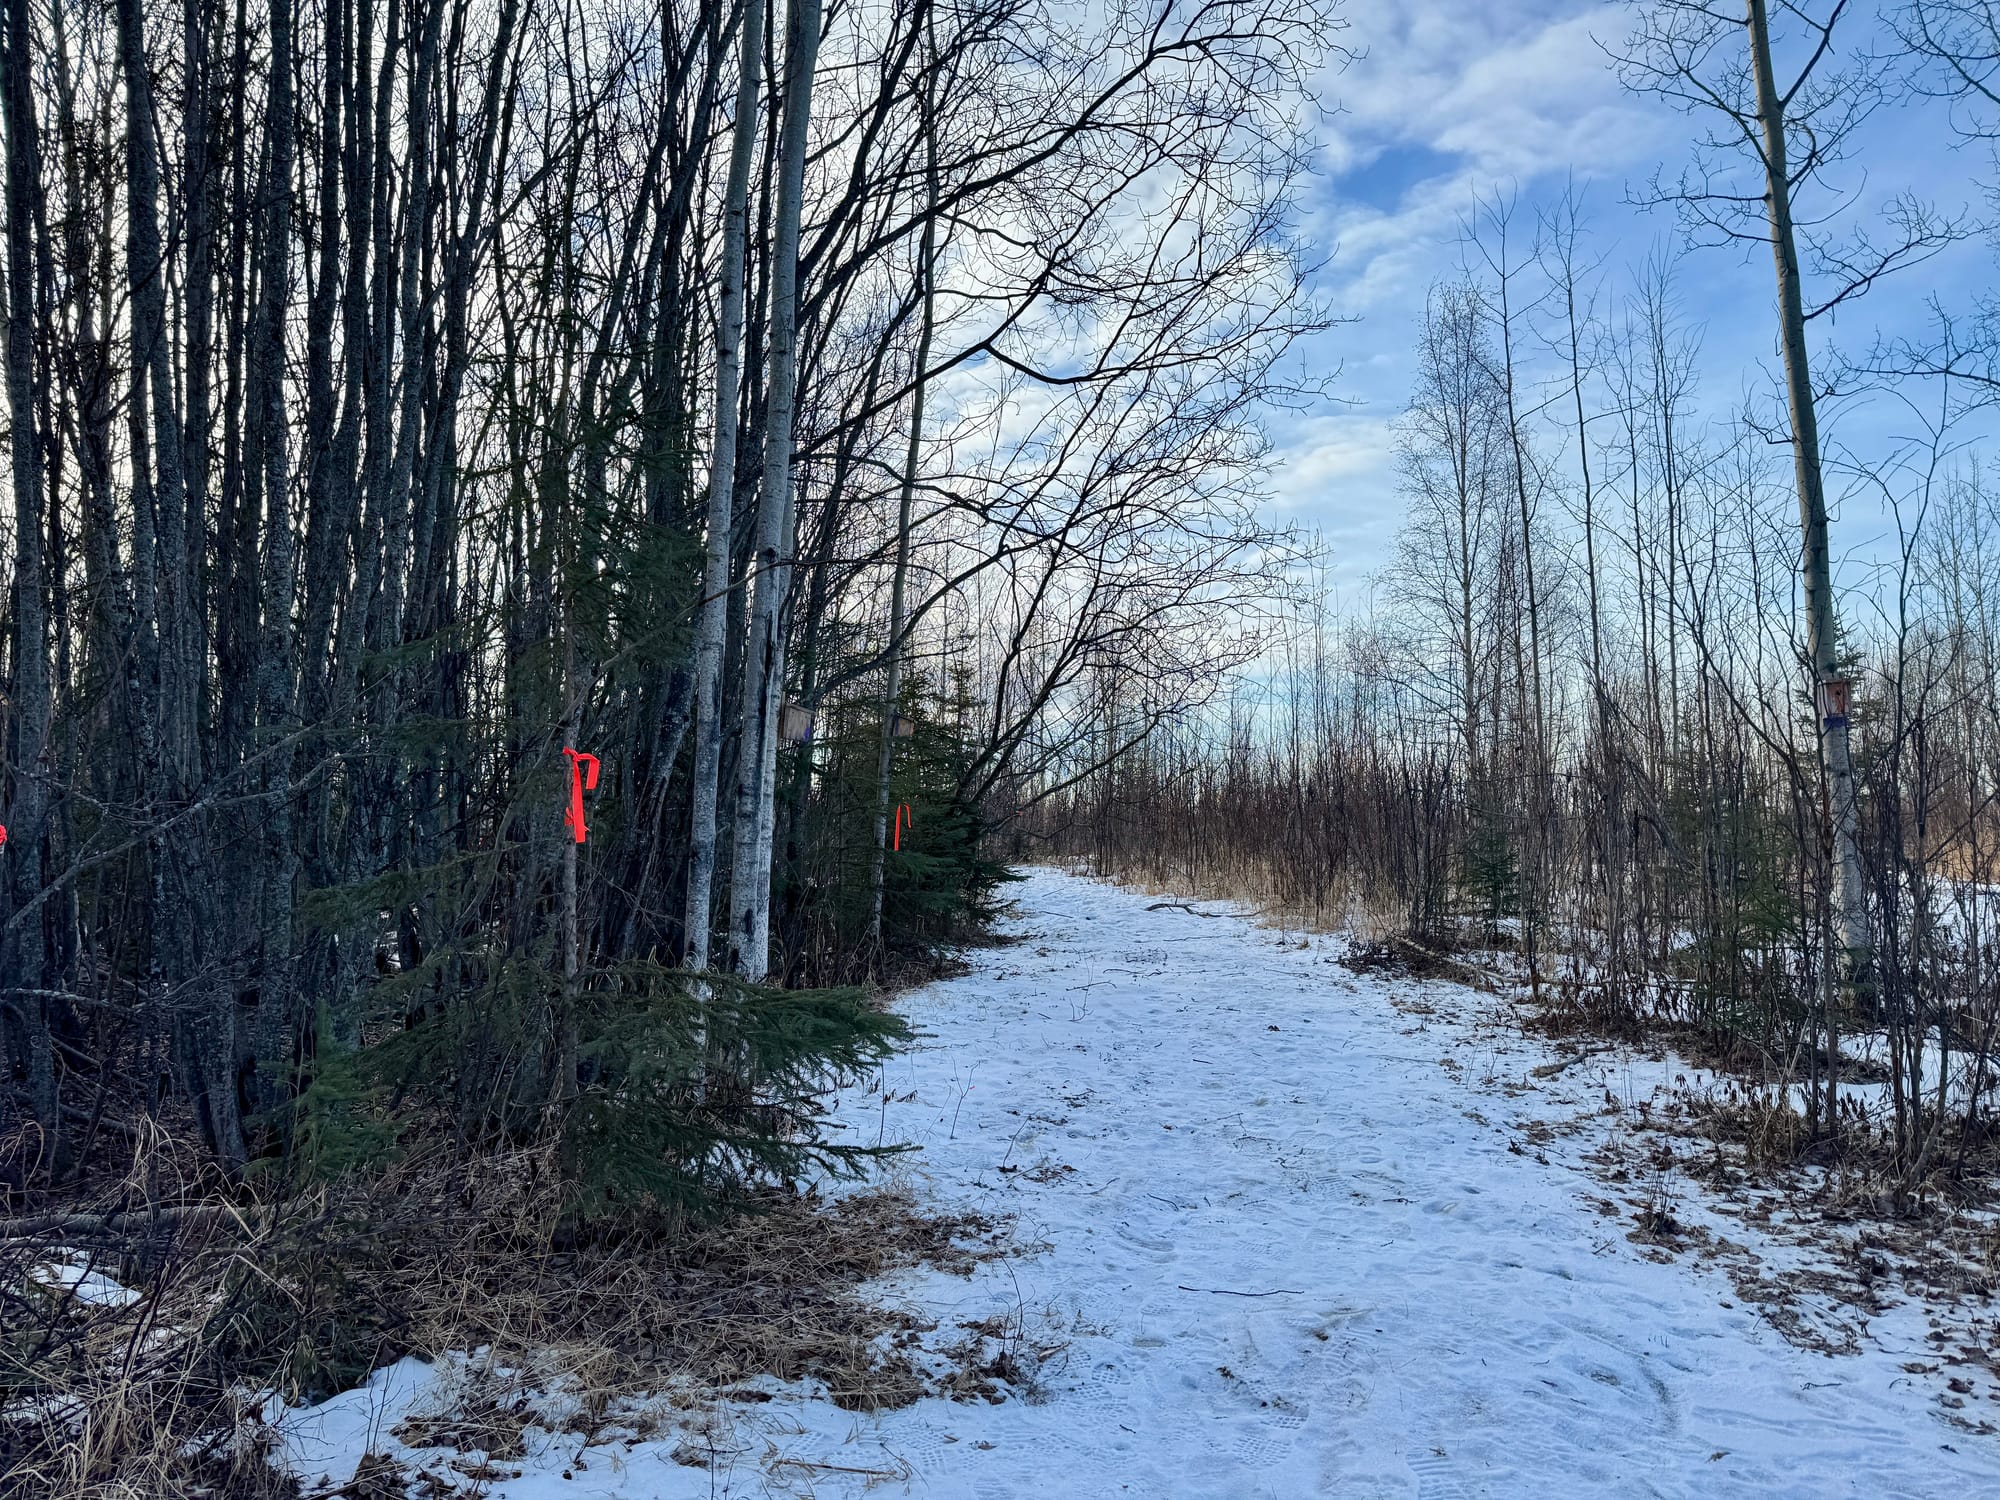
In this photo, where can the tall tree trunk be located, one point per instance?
(1822, 642)
(721, 495)
(162, 656)
(892, 682)
(276, 1019)
(24, 1016)
(1537, 821)
(1610, 810)
(764, 660)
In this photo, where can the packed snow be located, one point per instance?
(1276, 1240)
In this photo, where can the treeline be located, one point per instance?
(1602, 710)
(516, 503)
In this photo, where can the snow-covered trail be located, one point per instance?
(1285, 1262)
(1448, 1318)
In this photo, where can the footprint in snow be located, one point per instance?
(1436, 1476)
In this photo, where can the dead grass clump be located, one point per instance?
(1273, 893)
(903, 971)
(1762, 1123)
(1403, 957)
(1745, 1054)
(486, 1419)
(105, 1395)
(1574, 1008)
(776, 1292)
(985, 1363)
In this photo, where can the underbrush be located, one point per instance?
(1758, 1105)
(145, 1353)
(421, 1200)
(1765, 1070)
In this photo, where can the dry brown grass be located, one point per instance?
(1262, 889)
(161, 1397)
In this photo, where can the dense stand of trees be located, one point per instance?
(1606, 707)
(401, 395)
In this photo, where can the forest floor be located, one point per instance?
(1279, 1229)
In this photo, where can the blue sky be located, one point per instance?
(1454, 97)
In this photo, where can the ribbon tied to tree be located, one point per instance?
(582, 778)
(905, 814)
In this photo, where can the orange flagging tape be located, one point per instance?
(582, 778)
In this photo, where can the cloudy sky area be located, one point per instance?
(1456, 97)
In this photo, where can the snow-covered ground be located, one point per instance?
(1286, 1255)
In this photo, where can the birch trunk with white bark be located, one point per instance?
(771, 564)
(721, 493)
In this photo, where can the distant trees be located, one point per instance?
(1603, 712)
(1453, 446)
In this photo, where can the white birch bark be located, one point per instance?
(764, 656)
(721, 491)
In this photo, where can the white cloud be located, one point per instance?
(1450, 99)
